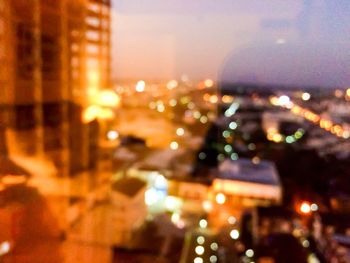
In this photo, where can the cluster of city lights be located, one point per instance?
(232, 109)
(307, 208)
(328, 125)
(200, 249)
(214, 99)
(102, 107)
(233, 125)
(275, 136)
(191, 111)
(172, 84)
(339, 94)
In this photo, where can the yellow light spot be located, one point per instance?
(305, 96)
(234, 234)
(346, 134)
(227, 99)
(274, 101)
(171, 84)
(112, 135)
(220, 198)
(13, 180)
(105, 114)
(200, 240)
(277, 137)
(199, 250)
(160, 107)
(108, 98)
(214, 246)
(203, 223)
(151, 197)
(209, 83)
(249, 253)
(171, 203)
(206, 97)
(175, 218)
(198, 260)
(207, 206)
(140, 86)
(231, 220)
(180, 131)
(203, 119)
(174, 145)
(213, 99)
(91, 113)
(314, 207)
(305, 208)
(93, 77)
(348, 92)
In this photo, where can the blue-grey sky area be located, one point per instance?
(290, 42)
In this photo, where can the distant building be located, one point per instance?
(254, 182)
(54, 56)
(242, 184)
(128, 199)
(194, 193)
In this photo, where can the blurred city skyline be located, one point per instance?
(160, 157)
(295, 43)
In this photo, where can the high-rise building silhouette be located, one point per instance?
(54, 57)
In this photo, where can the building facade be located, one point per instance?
(54, 57)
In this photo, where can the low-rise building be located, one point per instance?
(128, 199)
(255, 182)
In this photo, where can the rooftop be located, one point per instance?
(129, 186)
(263, 172)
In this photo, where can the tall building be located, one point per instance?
(54, 57)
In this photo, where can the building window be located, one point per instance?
(94, 7)
(74, 47)
(93, 21)
(92, 35)
(92, 49)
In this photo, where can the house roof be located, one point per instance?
(244, 170)
(129, 186)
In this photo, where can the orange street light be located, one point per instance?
(305, 208)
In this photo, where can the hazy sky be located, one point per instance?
(295, 42)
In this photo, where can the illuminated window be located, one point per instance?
(93, 21)
(92, 49)
(74, 47)
(75, 33)
(75, 74)
(92, 63)
(93, 35)
(75, 62)
(94, 7)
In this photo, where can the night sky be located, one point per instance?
(291, 42)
